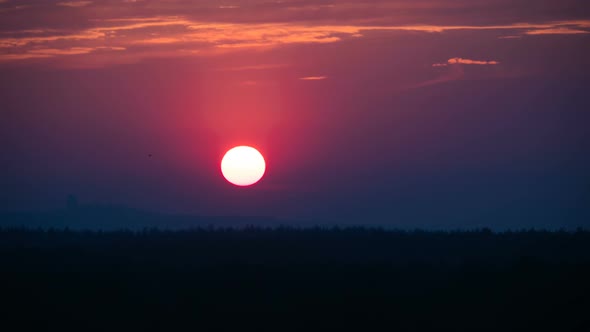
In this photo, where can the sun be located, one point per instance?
(243, 166)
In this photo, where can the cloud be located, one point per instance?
(25, 56)
(462, 61)
(54, 52)
(226, 30)
(557, 31)
(162, 40)
(14, 43)
(253, 67)
(74, 3)
(13, 8)
(471, 62)
(97, 33)
(142, 23)
(71, 51)
(313, 78)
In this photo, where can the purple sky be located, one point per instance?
(449, 113)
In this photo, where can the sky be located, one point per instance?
(442, 114)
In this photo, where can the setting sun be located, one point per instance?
(243, 166)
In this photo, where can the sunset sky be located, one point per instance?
(448, 113)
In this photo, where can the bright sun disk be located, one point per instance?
(243, 166)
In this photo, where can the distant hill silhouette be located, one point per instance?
(113, 217)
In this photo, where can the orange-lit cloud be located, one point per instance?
(313, 78)
(161, 40)
(471, 62)
(240, 35)
(253, 67)
(53, 51)
(25, 56)
(175, 36)
(557, 31)
(48, 37)
(462, 61)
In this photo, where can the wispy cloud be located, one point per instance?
(18, 42)
(56, 52)
(23, 56)
(173, 35)
(557, 31)
(313, 78)
(70, 51)
(463, 61)
(74, 3)
(13, 8)
(471, 62)
(253, 67)
(160, 40)
(249, 83)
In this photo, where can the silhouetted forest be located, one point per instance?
(285, 279)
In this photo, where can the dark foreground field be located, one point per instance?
(285, 279)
